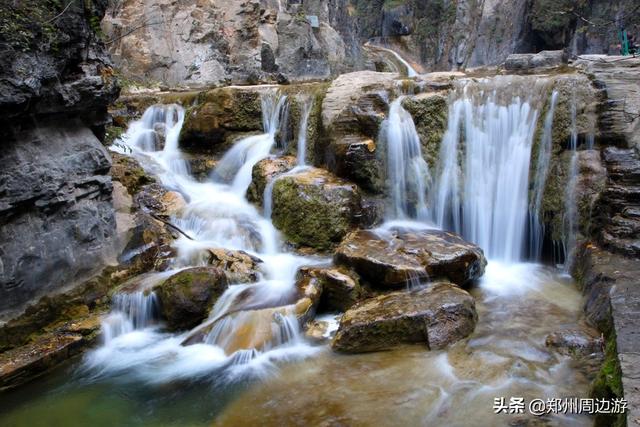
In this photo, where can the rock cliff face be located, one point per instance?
(202, 42)
(56, 215)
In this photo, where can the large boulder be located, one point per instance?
(314, 208)
(219, 113)
(187, 296)
(396, 257)
(264, 172)
(436, 316)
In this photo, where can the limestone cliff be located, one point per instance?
(56, 215)
(204, 42)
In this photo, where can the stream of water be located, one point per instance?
(141, 375)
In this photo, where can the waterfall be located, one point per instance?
(493, 129)
(536, 225)
(130, 311)
(307, 105)
(408, 173)
(237, 163)
(217, 215)
(570, 214)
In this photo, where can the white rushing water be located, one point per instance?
(307, 105)
(217, 215)
(484, 194)
(407, 172)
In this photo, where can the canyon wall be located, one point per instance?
(202, 42)
(56, 215)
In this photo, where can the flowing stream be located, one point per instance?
(234, 376)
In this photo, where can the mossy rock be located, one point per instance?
(129, 173)
(608, 384)
(314, 208)
(218, 112)
(187, 296)
(429, 112)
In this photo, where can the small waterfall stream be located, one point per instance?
(481, 188)
(407, 172)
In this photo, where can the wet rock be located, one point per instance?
(576, 342)
(314, 208)
(25, 363)
(357, 159)
(263, 172)
(340, 287)
(435, 316)
(187, 296)
(219, 113)
(201, 166)
(316, 331)
(239, 266)
(400, 256)
(158, 200)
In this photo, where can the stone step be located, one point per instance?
(622, 195)
(623, 227)
(624, 246)
(623, 165)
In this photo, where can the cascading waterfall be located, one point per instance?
(536, 225)
(267, 199)
(307, 105)
(408, 172)
(237, 163)
(130, 311)
(216, 216)
(494, 129)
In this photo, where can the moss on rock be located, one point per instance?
(314, 208)
(429, 112)
(187, 297)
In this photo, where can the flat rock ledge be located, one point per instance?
(435, 316)
(396, 257)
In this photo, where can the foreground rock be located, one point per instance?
(25, 363)
(314, 208)
(187, 296)
(435, 316)
(399, 256)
